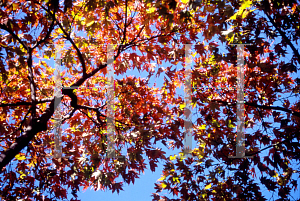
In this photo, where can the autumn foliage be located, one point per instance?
(149, 36)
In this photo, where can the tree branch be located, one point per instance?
(125, 25)
(35, 126)
(283, 35)
(68, 37)
(40, 124)
(32, 85)
(24, 103)
(2, 26)
(47, 35)
(272, 145)
(297, 114)
(22, 122)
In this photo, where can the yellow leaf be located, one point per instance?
(20, 157)
(59, 31)
(194, 105)
(15, 6)
(184, 1)
(90, 23)
(181, 156)
(163, 185)
(202, 127)
(182, 106)
(202, 145)
(31, 164)
(246, 4)
(43, 75)
(216, 123)
(2, 118)
(151, 10)
(173, 157)
(162, 178)
(194, 83)
(22, 176)
(208, 186)
(275, 175)
(175, 179)
(230, 125)
(46, 56)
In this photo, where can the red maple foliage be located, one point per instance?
(156, 32)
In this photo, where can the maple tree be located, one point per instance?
(146, 115)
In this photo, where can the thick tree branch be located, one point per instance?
(35, 126)
(32, 84)
(40, 124)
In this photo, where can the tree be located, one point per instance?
(147, 115)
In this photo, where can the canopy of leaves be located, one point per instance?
(32, 30)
